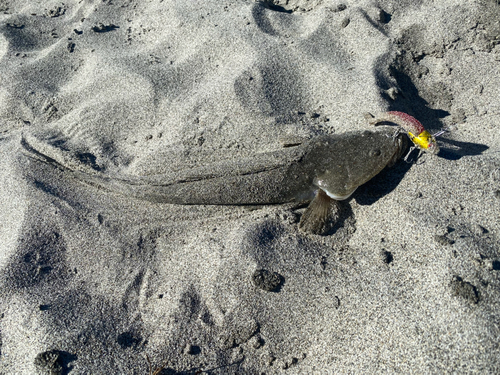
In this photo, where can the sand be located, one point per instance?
(94, 281)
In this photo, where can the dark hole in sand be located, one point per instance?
(464, 289)
(88, 158)
(193, 350)
(387, 257)
(54, 362)
(267, 280)
(100, 28)
(127, 340)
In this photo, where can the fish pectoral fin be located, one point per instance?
(321, 214)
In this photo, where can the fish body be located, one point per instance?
(337, 164)
(322, 170)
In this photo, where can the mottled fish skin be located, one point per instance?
(336, 163)
(340, 164)
(256, 180)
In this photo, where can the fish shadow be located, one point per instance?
(382, 184)
(387, 180)
(410, 101)
(454, 150)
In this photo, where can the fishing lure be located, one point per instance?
(420, 137)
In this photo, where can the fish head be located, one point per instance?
(354, 159)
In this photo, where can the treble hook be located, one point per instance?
(408, 154)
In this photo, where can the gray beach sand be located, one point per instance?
(94, 281)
